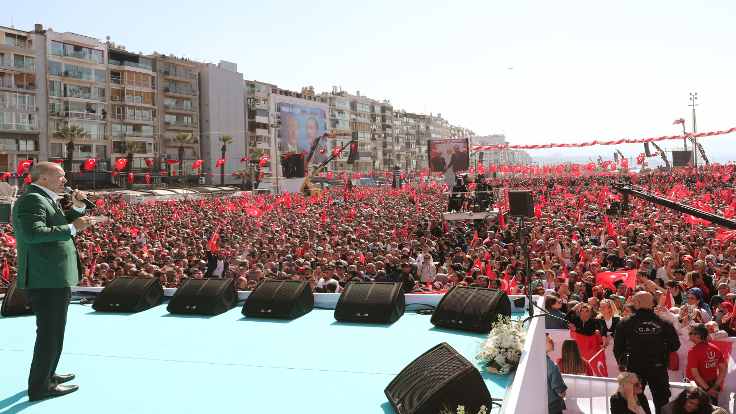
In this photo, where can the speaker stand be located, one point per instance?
(524, 242)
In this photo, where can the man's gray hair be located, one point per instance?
(42, 168)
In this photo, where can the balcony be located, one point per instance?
(179, 91)
(18, 108)
(143, 119)
(139, 65)
(179, 107)
(8, 84)
(19, 43)
(184, 125)
(19, 127)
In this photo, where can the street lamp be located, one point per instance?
(693, 104)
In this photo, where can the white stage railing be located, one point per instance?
(591, 395)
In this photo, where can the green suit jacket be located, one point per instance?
(47, 256)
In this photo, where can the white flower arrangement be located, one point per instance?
(501, 351)
(461, 410)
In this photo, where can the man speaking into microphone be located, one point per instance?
(48, 265)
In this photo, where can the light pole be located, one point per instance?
(693, 104)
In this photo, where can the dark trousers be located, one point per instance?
(659, 385)
(50, 307)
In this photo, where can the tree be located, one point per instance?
(225, 139)
(72, 133)
(182, 138)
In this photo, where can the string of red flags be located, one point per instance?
(601, 142)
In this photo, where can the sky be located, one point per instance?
(537, 71)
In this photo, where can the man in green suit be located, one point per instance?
(48, 265)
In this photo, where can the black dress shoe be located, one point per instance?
(55, 391)
(62, 378)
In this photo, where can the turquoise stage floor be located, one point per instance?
(154, 362)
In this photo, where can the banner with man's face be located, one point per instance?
(446, 154)
(300, 127)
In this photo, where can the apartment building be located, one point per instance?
(178, 108)
(22, 101)
(258, 115)
(78, 91)
(223, 115)
(497, 157)
(133, 112)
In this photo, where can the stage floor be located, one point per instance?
(154, 362)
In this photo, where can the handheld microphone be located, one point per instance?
(88, 204)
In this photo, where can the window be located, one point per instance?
(26, 145)
(55, 108)
(78, 72)
(100, 76)
(56, 48)
(101, 152)
(8, 144)
(23, 62)
(55, 68)
(55, 150)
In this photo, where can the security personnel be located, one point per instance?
(643, 344)
(482, 194)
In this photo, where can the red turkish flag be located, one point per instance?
(219, 163)
(24, 166)
(263, 161)
(149, 162)
(597, 364)
(131, 178)
(607, 279)
(89, 164)
(27, 180)
(147, 177)
(253, 212)
(196, 164)
(121, 163)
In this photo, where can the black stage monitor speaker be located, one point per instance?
(439, 380)
(15, 302)
(681, 158)
(521, 204)
(204, 297)
(471, 308)
(281, 299)
(377, 302)
(129, 294)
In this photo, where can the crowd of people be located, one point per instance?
(386, 234)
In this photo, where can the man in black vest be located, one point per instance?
(643, 345)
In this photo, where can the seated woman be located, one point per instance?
(691, 400)
(629, 399)
(571, 362)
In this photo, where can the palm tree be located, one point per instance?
(72, 133)
(182, 138)
(225, 139)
